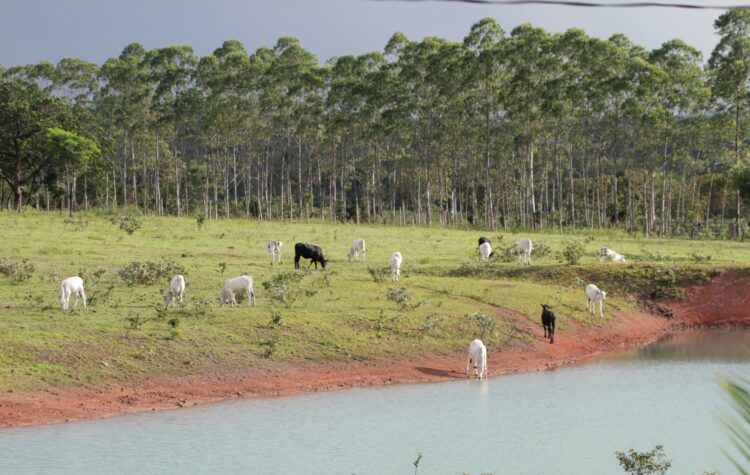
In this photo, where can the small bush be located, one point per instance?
(379, 274)
(541, 249)
(485, 323)
(148, 273)
(285, 287)
(698, 258)
(199, 220)
(17, 271)
(130, 223)
(505, 254)
(276, 319)
(654, 462)
(200, 307)
(399, 295)
(656, 257)
(135, 322)
(572, 252)
(78, 224)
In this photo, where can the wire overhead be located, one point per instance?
(571, 3)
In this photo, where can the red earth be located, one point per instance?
(722, 302)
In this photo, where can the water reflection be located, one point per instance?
(729, 345)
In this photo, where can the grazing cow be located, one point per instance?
(357, 251)
(483, 240)
(485, 251)
(274, 247)
(176, 289)
(593, 295)
(309, 251)
(478, 355)
(607, 253)
(243, 283)
(71, 285)
(548, 322)
(395, 264)
(524, 248)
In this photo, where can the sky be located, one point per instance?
(94, 30)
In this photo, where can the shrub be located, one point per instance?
(399, 295)
(654, 462)
(135, 322)
(78, 224)
(17, 271)
(199, 220)
(148, 273)
(541, 249)
(379, 274)
(485, 323)
(284, 287)
(276, 319)
(572, 252)
(130, 223)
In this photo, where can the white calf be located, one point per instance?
(274, 247)
(176, 290)
(357, 251)
(477, 354)
(607, 253)
(524, 248)
(242, 283)
(485, 250)
(395, 263)
(593, 295)
(71, 285)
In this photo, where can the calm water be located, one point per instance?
(567, 421)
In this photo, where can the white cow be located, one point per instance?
(176, 290)
(607, 253)
(477, 354)
(593, 295)
(485, 251)
(357, 251)
(274, 247)
(395, 263)
(71, 285)
(524, 248)
(242, 283)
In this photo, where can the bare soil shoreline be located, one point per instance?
(722, 302)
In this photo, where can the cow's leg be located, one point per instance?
(83, 296)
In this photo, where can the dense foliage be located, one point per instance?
(519, 130)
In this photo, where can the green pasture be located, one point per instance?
(342, 313)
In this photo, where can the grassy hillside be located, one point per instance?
(342, 313)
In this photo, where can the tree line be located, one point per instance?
(525, 129)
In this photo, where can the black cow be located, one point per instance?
(548, 322)
(309, 251)
(483, 240)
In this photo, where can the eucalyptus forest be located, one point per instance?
(513, 130)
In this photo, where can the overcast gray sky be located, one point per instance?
(94, 30)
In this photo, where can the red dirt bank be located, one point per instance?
(724, 301)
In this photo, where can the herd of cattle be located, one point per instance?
(73, 286)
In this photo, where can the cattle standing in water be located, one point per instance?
(477, 355)
(548, 322)
(309, 251)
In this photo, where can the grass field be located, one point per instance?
(342, 313)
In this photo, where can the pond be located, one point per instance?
(566, 421)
